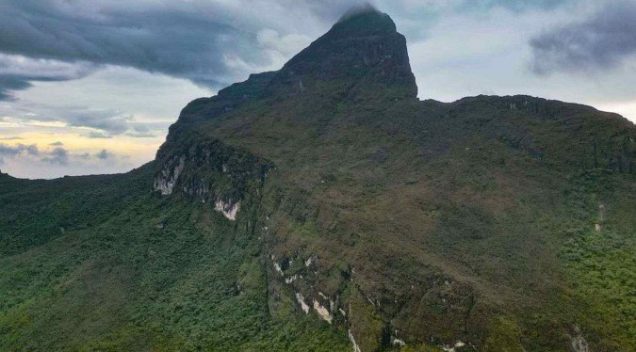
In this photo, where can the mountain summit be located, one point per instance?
(323, 207)
(362, 51)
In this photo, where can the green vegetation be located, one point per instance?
(144, 273)
(599, 256)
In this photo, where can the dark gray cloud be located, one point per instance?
(17, 72)
(8, 151)
(196, 40)
(12, 151)
(11, 83)
(104, 154)
(173, 41)
(57, 156)
(602, 41)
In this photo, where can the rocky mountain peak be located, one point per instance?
(363, 49)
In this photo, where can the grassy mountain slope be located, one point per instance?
(138, 272)
(469, 211)
(327, 191)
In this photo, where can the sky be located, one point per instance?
(90, 87)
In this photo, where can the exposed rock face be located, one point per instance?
(229, 210)
(211, 172)
(303, 304)
(578, 342)
(322, 312)
(168, 176)
(356, 348)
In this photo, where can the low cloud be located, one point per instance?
(8, 151)
(104, 154)
(56, 161)
(57, 156)
(12, 151)
(603, 41)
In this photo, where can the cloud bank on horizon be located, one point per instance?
(107, 78)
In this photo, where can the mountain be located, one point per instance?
(323, 207)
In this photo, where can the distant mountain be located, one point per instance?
(323, 207)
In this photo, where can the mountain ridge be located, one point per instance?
(338, 111)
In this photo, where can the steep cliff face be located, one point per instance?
(211, 172)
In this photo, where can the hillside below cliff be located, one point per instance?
(324, 207)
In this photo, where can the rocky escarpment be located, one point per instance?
(211, 172)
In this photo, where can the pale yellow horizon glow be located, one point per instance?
(132, 108)
(126, 153)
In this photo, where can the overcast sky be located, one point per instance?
(92, 86)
